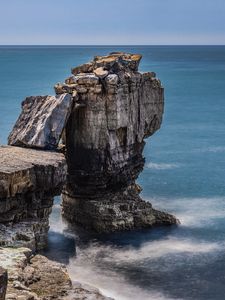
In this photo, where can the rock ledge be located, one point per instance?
(29, 179)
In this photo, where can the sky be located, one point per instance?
(108, 22)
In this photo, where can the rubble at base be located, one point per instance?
(38, 278)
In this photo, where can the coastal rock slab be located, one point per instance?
(38, 278)
(29, 179)
(25, 170)
(41, 121)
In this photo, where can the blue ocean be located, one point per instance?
(184, 174)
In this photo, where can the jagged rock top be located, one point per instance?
(104, 73)
(114, 62)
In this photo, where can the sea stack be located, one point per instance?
(116, 109)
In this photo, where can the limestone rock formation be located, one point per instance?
(103, 112)
(29, 179)
(38, 278)
(116, 108)
(41, 121)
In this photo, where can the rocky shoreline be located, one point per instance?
(34, 277)
(85, 143)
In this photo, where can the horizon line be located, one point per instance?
(103, 45)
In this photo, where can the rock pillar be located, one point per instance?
(116, 109)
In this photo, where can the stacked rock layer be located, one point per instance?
(29, 179)
(116, 108)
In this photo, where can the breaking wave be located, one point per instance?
(193, 212)
(161, 166)
(96, 265)
(212, 149)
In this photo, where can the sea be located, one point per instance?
(184, 174)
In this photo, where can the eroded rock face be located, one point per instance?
(41, 121)
(38, 278)
(115, 211)
(116, 108)
(29, 179)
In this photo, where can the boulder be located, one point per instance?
(38, 278)
(85, 68)
(100, 72)
(41, 122)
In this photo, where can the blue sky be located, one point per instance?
(105, 22)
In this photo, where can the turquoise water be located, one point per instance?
(184, 174)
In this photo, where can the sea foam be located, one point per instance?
(161, 166)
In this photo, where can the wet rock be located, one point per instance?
(54, 281)
(41, 121)
(114, 212)
(83, 291)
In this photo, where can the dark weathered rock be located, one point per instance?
(114, 211)
(105, 141)
(41, 121)
(3, 283)
(29, 179)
